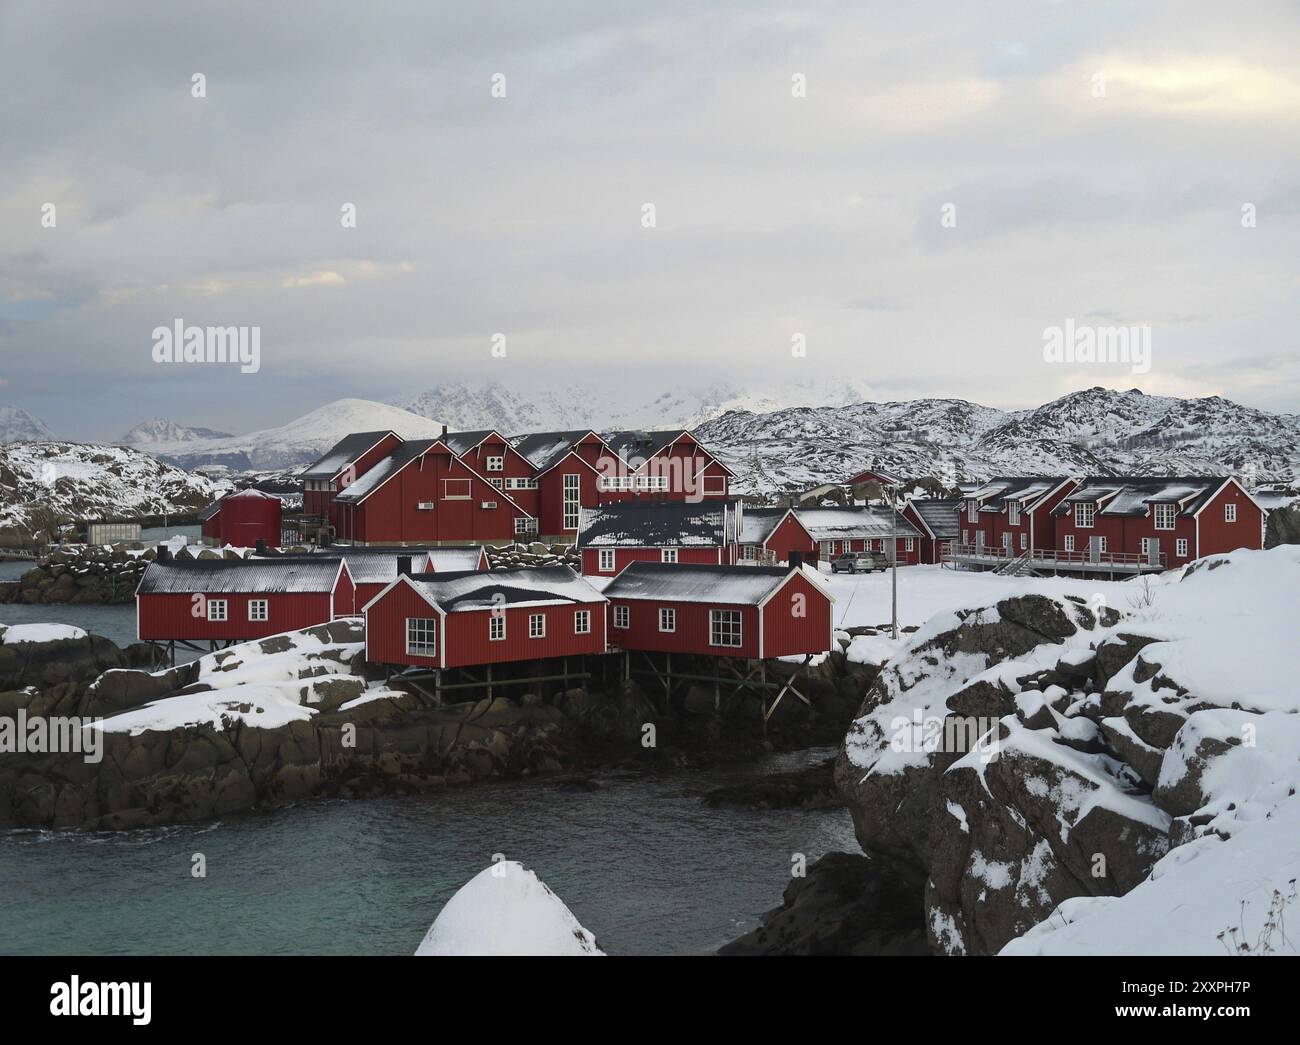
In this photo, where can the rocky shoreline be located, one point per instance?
(360, 738)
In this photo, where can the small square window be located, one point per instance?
(537, 625)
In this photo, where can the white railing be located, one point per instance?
(1051, 558)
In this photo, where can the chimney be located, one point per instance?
(444, 432)
(796, 559)
(404, 565)
(164, 553)
(260, 547)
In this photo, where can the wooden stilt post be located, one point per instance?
(489, 681)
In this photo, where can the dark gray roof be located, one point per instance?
(210, 510)
(543, 449)
(460, 442)
(1133, 496)
(640, 444)
(470, 590)
(654, 524)
(939, 514)
(379, 565)
(718, 585)
(304, 573)
(1027, 489)
(341, 454)
(401, 456)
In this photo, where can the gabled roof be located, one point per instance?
(635, 444)
(1027, 490)
(463, 442)
(887, 478)
(758, 524)
(342, 454)
(938, 514)
(1131, 496)
(716, 585)
(840, 524)
(655, 524)
(540, 586)
(302, 573)
(401, 456)
(379, 565)
(543, 449)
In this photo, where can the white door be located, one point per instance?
(1006, 545)
(1094, 549)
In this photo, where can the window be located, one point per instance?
(421, 636)
(615, 483)
(217, 609)
(965, 537)
(1069, 542)
(971, 508)
(497, 627)
(748, 552)
(1085, 512)
(1013, 513)
(1024, 541)
(621, 616)
(537, 625)
(496, 483)
(258, 609)
(582, 622)
(724, 627)
(668, 555)
(1164, 515)
(606, 560)
(1181, 547)
(572, 502)
(652, 482)
(910, 546)
(1102, 544)
(521, 484)
(496, 464)
(457, 489)
(1146, 547)
(667, 620)
(525, 524)
(1229, 513)
(713, 486)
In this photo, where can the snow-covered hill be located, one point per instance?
(42, 484)
(297, 443)
(162, 430)
(17, 425)
(1094, 431)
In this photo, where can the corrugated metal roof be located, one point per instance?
(639, 444)
(341, 454)
(940, 514)
(543, 449)
(459, 592)
(306, 573)
(461, 442)
(842, 524)
(401, 456)
(718, 585)
(757, 524)
(1026, 489)
(1134, 496)
(654, 524)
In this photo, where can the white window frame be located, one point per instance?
(1085, 510)
(529, 525)
(218, 610)
(667, 619)
(259, 610)
(718, 491)
(605, 560)
(972, 508)
(496, 483)
(1164, 516)
(1024, 541)
(909, 546)
(572, 500)
(447, 495)
(537, 625)
(497, 627)
(1180, 547)
(582, 622)
(427, 626)
(1013, 513)
(1230, 512)
(1103, 545)
(726, 624)
(622, 617)
(494, 464)
(521, 484)
(1069, 542)
(667, 554)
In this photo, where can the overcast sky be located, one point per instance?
(775, 215)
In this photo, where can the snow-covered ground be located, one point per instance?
(16, 633)
(506, 909)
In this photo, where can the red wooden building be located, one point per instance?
(345, 462)
(466, 619)
(837, 531)
(936, 519)
(613, 535)
(751, 612)
(1007, 517)
(373, 569)
(1152, 523)
(229, 600)
(770, 535)
(243, 518)
(873, 475)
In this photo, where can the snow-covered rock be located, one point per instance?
(18, 426)
(506, 909)
(16, 633)
(162, 430)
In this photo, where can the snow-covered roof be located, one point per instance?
(341, 454)
(996, 492)
(840, 524)
(1134, 496)
(939, 514)
(401, 456)
(640, 444)
(757, 524)
(543, 449)
(655, 524)
(304, 573)
(687, 582)
(543, 585)
(463, 442)
(379, 565)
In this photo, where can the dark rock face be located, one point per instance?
(1283, 526)
(811, 788)
(843, 907)
(45, 664)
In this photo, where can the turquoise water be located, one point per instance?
(641, 862)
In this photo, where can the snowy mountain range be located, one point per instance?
(17, 425)
(160, 430)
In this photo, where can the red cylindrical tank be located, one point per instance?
(249, 516)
